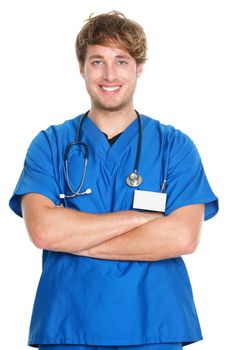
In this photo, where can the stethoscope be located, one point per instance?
(134, 179)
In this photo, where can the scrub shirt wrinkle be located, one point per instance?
(91, 301)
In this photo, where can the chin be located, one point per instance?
(111, 108)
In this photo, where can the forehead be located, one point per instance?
(106, 52)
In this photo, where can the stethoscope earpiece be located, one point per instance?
(75, 194)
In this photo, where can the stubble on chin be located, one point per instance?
(97, 104)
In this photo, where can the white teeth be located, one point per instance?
(110, 88)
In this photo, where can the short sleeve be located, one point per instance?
(186, 179)
(37, 175)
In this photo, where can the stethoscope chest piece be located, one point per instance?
(134, 179)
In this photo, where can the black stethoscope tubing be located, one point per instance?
(132, 180)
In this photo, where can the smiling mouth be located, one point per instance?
(110, 89)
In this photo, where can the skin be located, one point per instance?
(110, 75)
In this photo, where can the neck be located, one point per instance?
(112, 122)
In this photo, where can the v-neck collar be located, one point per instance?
(96, 139)
(113, 139)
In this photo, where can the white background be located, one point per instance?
(187, 82)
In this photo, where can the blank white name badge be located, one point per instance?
(147, 200)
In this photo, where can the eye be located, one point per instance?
(121, 62)
(97, 62)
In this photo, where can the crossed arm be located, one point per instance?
(124, 235)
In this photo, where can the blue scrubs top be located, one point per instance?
(82, 300)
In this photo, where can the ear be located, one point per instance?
(139, 69)
(81, 70)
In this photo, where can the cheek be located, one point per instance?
(92, 76)
(133, 77)
(133, 73)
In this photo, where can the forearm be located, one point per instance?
(164, 238)
(148, 242)
(84, 230)
(66, 230)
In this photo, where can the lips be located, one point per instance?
(110, 89)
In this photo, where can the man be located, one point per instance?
(112, 271)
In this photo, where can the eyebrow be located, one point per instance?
(123, 56)
(117, 57)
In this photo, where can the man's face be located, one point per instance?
(110, 75)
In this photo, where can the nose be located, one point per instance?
(109, 72)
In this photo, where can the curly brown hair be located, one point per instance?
(112, 29)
